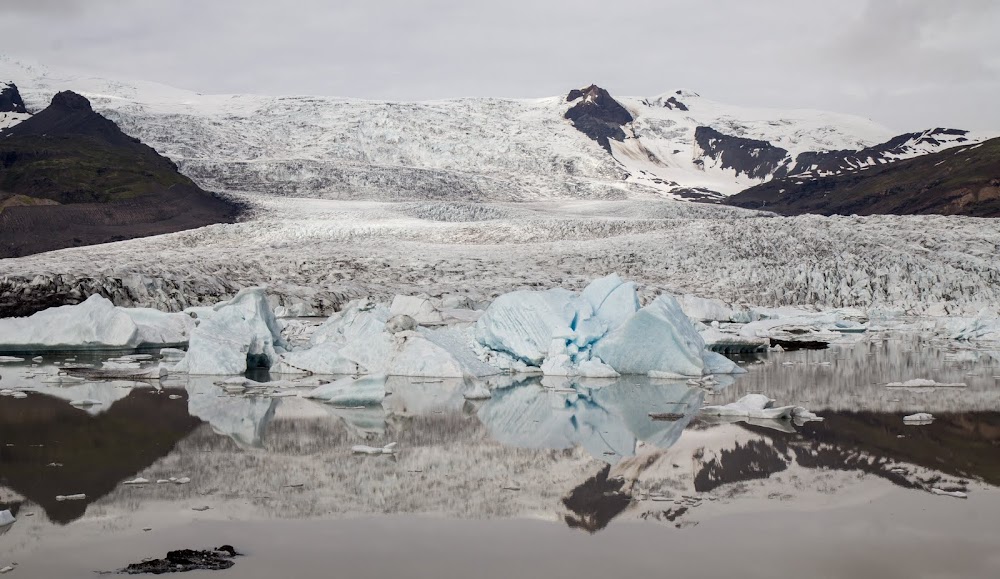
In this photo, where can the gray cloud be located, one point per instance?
(907, 63)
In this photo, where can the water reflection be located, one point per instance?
(51, 448)
(607, 417)
(582, 451)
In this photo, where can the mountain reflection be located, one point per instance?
(585, 452)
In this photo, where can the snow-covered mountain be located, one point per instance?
(677, 145)
(12, 109)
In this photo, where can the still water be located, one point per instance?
(552, 478)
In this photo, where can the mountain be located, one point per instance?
(587, 144)
(959, 181)
(12, 110)
(69, 177)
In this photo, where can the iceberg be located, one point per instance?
(366, 391)
(602, 332)
(707, 310)
(95, 323)
(758, 407)
(419, 308)
(239, 334)
(657, 338)
(524, 323)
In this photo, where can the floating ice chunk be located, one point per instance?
(704, 309)
(365, 449)
(719, 364)
(156, 327)
(172, 355)
(750, 406)
(523, 323)
(801, 415)
(84, 402)
(419, 308)
(956, 494)
(240, 332)
(478, 392)
(136, 481)
(94, 323)
(366, 391)
(10, 359)
(7, 518)
(919, 418)
(612, 300)
(77, 497)
(921, 383)
(444, 352)
(400, 323)
(657, 338)
(719, 341)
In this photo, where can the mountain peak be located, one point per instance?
(69, 100)
(10, 99)
(598, 115)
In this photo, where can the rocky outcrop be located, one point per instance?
(753, 158)
(10, 99)
(598, 115)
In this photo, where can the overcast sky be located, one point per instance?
(907, 63)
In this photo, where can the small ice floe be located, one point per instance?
(62, 378)
(758, 406)
(6, 569)
(19, 395)
(10, 359)
(919, 418)
(182, 480)
(944, 493)
(76, 497)
(37, 359)
(478, 392)
(175, 397)
(921, 383)
(6, 392)
(364, 449)
(136, 481)
(85, 402)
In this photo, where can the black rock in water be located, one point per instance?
(185, 560)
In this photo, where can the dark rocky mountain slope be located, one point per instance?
(70, 177)
(959, 181)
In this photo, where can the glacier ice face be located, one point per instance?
(601, 332)
(95, 323)
(419, 308)
(708, 310)
(239, 333)
(363, 339)
(524, 323)
(657, 338)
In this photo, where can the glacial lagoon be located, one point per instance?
(574, 475)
